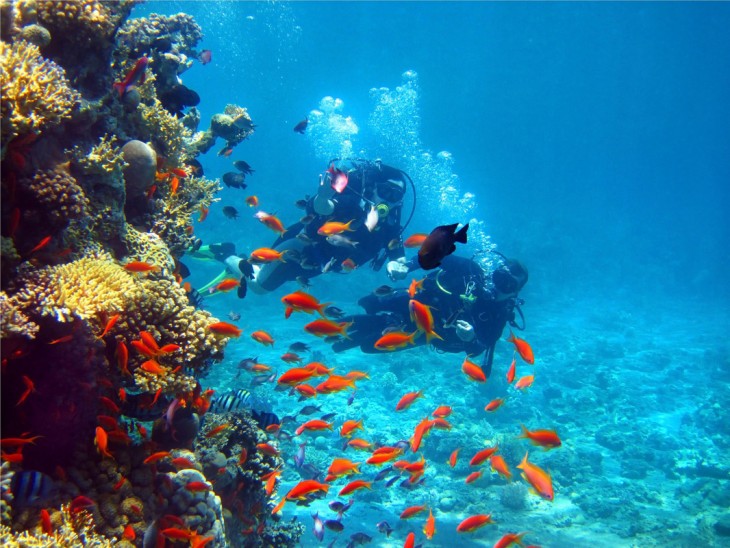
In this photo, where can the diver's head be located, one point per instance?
(386, 195)
(509, 279)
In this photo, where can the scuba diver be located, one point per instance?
(368, 198)
(470, 309)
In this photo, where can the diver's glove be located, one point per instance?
(397, 270)
(465, 331)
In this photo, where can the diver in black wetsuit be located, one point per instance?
(372, 188)
(470, 309)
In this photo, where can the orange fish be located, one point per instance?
(291, 357)
(101, 442)
(263, 337)
(174, 184)
(407, 400)
(421, 430)
(540, 480)
(357, 375)
(483, 455)
(494, 404)
(348, 265)
(332, 228)
(327, 328)
(227, 285)
(348, 427)
(197, 486)
(473, 477)
(156, 457)
(43, 243)
(271, 482)
(360, 444)
(225, 329)
(252, 201)
(524, 382)
(203, 213)
(410, 540)
(499, 465)
(295, 375)
(396, 339)
(122, 354)
(113, 320)
(412, 511)
(140, 266)
(510, 539)
(122, 394)
(129, 533)
(64, 339)
(430, 528)
(180, 172)
(522, 347)
(319, 369)
(512, 369)
(29, 387)
(547, 439)
(422, 317)
(151, 366)
(335, 383)
(271, 221)
(267, 449)
(415, 287)
(354, 486)
(306, 487)
(300, 301)
(149, 341)
(177, 533)
(473, 523)
(343, 467)
(243, 458)
(181, 463)
(453, 458)
(217, 430)
(266, 255)
(260, 368)
(315, 425)
(415, 240)
(273, 428)
(473, 371)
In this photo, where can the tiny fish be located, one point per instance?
(205, 56)
(243, 167)
(230, 212)
(301, 127)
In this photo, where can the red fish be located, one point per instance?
(225, 329)
(407, 400)
(315, 425)
(300, 301)
(327, 328)
(523, 348)
(483, 455)
(226, 285)
(473, 371)
(510, 539)
(203, 214)
(540, 480)
(354, 486)
(547, 439)
(473, 523)
(473, 477)
(29, 387)
(101, 442)
(252, 201)
(263, 337)
(134, 77)
(46, 524)
(122, 355)
(499, 465)
(412, 511)
(512, 369)
(524, 382)
(197, 486)
(295, 375)
(43, 243)
(291, 357)
(129, 533)
(415, 240)
(495, 404)
(112, 321)
(422, 317)
(394, 340)
(454, 456)
(430, 528)
(271, 221)
(217, 430)
(140, 266)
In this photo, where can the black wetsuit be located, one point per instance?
(349, 206)
(442, 290)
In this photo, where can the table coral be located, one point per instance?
(35, 91)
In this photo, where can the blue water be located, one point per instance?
(589, 140)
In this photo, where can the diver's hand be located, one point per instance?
(397, 270)
(465, 331)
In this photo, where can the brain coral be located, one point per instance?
(35, 92)
(58, 194)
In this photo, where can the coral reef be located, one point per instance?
(13, 322)
(35, 92)
(57, 196)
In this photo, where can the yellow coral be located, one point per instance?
(35, 92)
(167, 133)
(147, 247)
(104, 157)
(12, 320)
(87, 288)
(80, 20)
(76, 529)
(58, 194)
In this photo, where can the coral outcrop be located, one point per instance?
(35, 91)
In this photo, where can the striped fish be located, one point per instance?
(231, 401)
(31, 487)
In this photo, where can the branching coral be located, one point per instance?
(167, 133)
(83, 20)
(88, 288)
(35, 91)
(76, 529)
(12, 320)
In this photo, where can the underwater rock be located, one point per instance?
(611, 437)
(36, 34)
(722, 526)
(139, 174)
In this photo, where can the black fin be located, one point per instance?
(246, 269)
(461, 235)
(242, 288)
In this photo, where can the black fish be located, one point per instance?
(231, 401)
(234, 180)
(243, 167)
(309, 410)
(248, 363)
(360, 538)
(334, 525)
(384, 527)
(301, 204)
(301, 127)
(230, 212)
(334, 313)
(383, 290)
(328, 416)
(299, 347)
(439, 244)
(31, 487)
(307, 219)
(304, 282)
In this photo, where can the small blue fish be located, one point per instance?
(318, 527)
